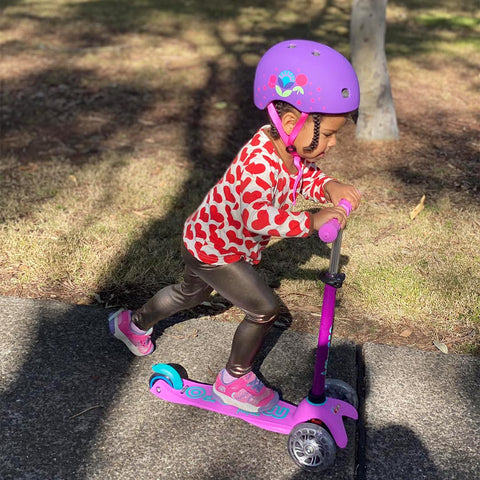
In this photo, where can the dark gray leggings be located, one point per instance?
(240, 284)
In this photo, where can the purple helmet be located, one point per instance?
(309, 76)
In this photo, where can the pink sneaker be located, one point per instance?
(247, 393)
(119, 323)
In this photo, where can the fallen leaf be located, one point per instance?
(85, 411)
(147, 123)
(108, 306)
(139, 213)
(414, 213)
(93, 118)
(406, 333)
(31, 167)
(441, 346)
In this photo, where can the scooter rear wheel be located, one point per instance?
(341, 390)
(311, 447)
(168, 373)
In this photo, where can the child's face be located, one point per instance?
(329, 127)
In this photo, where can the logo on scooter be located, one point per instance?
(336, 409)
(198, 392)
(277, 412)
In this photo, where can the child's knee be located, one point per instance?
(267, 313)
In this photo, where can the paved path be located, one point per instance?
(75, 404)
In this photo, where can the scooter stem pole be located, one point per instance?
(326, 326)
(335, 254)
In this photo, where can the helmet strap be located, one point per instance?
(288, 141)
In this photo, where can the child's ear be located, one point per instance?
(289, 120)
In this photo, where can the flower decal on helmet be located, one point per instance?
(287, 82)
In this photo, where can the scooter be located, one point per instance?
(315, 427)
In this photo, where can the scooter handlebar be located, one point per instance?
(328, 231)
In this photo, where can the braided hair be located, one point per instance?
(284, 107)
(317, 118)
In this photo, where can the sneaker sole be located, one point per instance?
(117, 333)
(246, 407)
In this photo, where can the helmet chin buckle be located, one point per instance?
(291, 149)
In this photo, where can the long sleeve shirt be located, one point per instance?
(251, 203)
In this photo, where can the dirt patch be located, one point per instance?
(75, 98)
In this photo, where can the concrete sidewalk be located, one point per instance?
(75, 404)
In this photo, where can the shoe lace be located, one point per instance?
(256, 384)
(144, 340)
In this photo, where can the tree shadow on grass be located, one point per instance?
(80, 367)
(451, 167)
(55, 127)
(64, 368)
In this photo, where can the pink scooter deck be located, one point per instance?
(281, 418)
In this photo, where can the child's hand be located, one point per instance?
(334, 191)
(326, 214)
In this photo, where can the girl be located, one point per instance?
(309, 91)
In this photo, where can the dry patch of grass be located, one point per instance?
(118, 117)
(76, 228)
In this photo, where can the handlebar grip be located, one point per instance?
(328, 231)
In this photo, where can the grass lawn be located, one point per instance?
(118, 116)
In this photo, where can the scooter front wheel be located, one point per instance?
(311, 447)
(341, 390)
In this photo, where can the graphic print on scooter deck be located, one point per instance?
(278, 419)
(281, 418)
(201, 393)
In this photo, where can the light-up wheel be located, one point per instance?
(311, 447)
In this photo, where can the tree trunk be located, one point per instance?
(377, 118)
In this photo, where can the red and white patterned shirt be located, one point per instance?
(250, 204)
